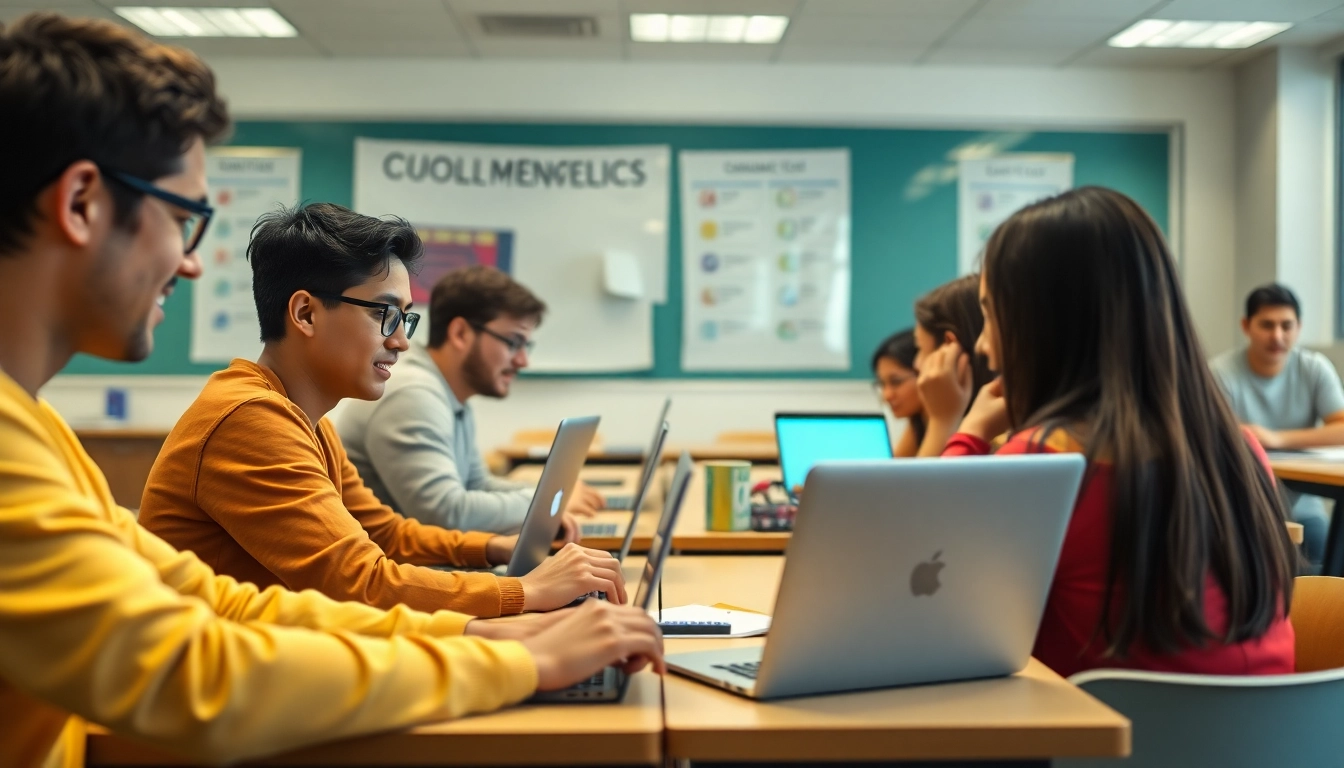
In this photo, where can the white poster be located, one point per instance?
(992, 189)
(765, 260)
(245, 182)
(585, 228)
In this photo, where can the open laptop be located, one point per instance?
(611, 682)
(806, 438)
(647, 471)
(568, 452)
(907, 571)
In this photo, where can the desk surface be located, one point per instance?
(1309, 471)
(747, 451)
(1034, 714)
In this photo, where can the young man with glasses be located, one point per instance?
(416, 447)
(256, 481)
(101, 621)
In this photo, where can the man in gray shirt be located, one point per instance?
(1288, 396)
(415, 447)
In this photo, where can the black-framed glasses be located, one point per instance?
(514, 343)
(392, 314)
(193, 229)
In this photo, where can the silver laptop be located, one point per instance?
(655, 455)
(568, 452)
(619, 503)
(907, 571)
(611, 682)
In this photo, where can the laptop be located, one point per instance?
(610, 684)
(568, 453)
(619, 503)
(907, 571)
(806, 438)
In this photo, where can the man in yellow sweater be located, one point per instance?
(101, 621)
(254, 479)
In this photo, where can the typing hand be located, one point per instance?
(597, 634)
(499, 549)
(1268, 438)
(585, 502)
(570, 528)
(571, 572)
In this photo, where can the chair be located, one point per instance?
(746, 436)
(1222, 721)
(1318, 620)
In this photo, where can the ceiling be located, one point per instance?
(1038, 33)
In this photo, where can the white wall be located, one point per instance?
(1199, 106)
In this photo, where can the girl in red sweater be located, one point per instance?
(1176, 558)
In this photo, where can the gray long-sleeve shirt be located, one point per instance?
(416, 449)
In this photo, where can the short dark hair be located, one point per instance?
(322, 248)
(955, 307)
(1272, 295)
(478, 294)
(90, 89)
(899, 346)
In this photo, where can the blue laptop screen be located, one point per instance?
(805, 440)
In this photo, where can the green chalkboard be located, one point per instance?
(903, 244)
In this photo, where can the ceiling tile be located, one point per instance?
(866, 30)
(1012, 34)
(395, 23)
(1065, 10)
(610, 28)
(1246, 10)
(850, 54)
(1012, 57)
(539, 7)
(246, 46)
(1309, 33)
(370, 7)
(11, 12)
(699, 52)
(766, 7)
(395, 49)
(928, 9)
(549, 49)
(1166, 58)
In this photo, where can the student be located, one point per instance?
(255, 480)
(948, 318)
(101, 621)
(894, 379)
(1176, 558)
(415, 446)
(1288, 396)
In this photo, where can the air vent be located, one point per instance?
(527, 25)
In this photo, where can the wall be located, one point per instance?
(1199, 104)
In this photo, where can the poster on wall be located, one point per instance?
(245, 182)
(765, 260)
(994, 188)
(556, 218)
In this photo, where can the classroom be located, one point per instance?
(671, 382)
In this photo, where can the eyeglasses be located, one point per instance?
(514, 343)
(879, 385)
(193, 229)
(392, 314)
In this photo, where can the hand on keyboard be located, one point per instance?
(595, 635)
(571, 572)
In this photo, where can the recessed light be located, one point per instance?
(208, 22)
(1169, 33)
(706, 28)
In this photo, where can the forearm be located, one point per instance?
(1316, 437)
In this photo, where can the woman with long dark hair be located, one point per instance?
(1176, 557)
(948, 318)
(894, 382)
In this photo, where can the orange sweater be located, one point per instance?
(247, 483)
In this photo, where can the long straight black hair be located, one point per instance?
(1094, 330)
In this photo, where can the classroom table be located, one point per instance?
(1320, 478)
(520, 454)
(1026, 719)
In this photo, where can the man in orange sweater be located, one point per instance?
(102, 203)
(254, 479)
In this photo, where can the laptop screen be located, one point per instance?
(806, 438)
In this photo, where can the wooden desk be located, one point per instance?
(629, 733)
(125, 457)
(1319, 478)
(1032, 716)
(518, 455)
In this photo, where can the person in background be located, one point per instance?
(102, 204)
(416, 447)
(948, 320)
(1176, 557)
(1290, 397)
(895, 382)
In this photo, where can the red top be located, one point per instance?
(1065, 640)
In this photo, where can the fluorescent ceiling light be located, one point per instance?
(208, 22)
(1166, 33)
(702, 28)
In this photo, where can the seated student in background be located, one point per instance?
(415, 447)
(255, 480)
(1288, 396)
(895, 381)
(101, 621)
(1176, 558)
(948, 318)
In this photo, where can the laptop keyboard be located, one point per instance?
(606, 530)
(620, 503)
(745, 669)
(596, 681)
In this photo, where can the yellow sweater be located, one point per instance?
(247, 483)
(101, 621)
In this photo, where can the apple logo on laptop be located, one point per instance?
(555, 503)
(924, 579)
